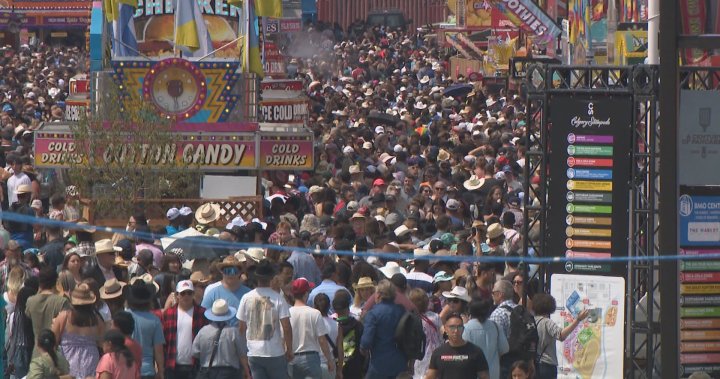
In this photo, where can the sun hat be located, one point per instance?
(139, 292)
(207, 213)
(220, 311)
(229, 261)
(255, 253)
(172, 214)
(392, 268)
(82, 295)
(112, 289)
(198, 277)
(495, 230)
(403, 230)
(23, 188)
(354, 169)
(364, 282)
(184, 285)
(473, 183)
(457, 293)
(106, 246)
(442, 276)
(301, 286)
(36, 204)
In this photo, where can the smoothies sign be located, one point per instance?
(590, 172)
(286, 153)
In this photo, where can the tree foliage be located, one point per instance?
(129, 154)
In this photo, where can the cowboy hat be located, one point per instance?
(494, 231)
(255, 253)
(220, 311)
(112, 289)
(120, 262)
(420, 252)
(364, 282)
(198, 277)
(147, 279)
(425, 79)
(403, 230)
(82, 295)
(443, 155)
(240, 256)
(106, 246)
(442, 276)
(139, 292)
(229, 261)
(264, 269)
(392, 268)
(207, 213)
(23, 188)
(457, 293)
(420, 105)
(473, 183)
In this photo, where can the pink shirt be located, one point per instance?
(116, 365)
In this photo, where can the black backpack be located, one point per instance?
(523, 338)
(410, 336)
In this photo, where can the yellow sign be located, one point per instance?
(586, 185)
(699, 289)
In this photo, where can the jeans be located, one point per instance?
(376, 375)
(546, 371)
(305, 365)
(180, 372)
(268, 367)
(219, 373)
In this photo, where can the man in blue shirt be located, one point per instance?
(148, 328)
(329, 284)
(386, 360)
(229, 288)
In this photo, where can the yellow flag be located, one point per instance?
(268, 8)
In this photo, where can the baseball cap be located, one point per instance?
(185, 211)
(184, 285)
(173, 213)
(442, 276)
(378, 182)
(452, 204)
(301, 286)
(379, 130)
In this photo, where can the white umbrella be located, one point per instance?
(189, 232)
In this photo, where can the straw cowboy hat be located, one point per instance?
(443, 155)
(23, 188)
(112, 289)
(364, 282)
(255, 253)
(198, 277)
(220, 311)
(494, 231)
(457, 293)
(473, 183)
(229, 261)
(207, 213)
(106, 246)
(82, 295)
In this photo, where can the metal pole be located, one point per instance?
(668, 196)
(653, 31)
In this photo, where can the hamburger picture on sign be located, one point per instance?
(155, 27)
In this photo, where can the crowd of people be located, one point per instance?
(318, 289)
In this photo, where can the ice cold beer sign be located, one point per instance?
(284, 112)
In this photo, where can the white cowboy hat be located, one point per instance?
(255, 253)
(403, 230)
(105, 246)
(425, 79)
(457, 293)
(392, 268)
(420, 105)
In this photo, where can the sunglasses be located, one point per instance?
(186, 293)
(517, 283)
(231, 271)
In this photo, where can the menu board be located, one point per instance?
(699, 222)
(590, 148)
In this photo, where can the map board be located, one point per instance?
(594, 350)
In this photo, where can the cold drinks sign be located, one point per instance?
(589, 180)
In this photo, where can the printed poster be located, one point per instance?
(595, 349)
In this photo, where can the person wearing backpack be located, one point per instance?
(548, 332)
(517, 324)
(378, 339)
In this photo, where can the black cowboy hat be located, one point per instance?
(139, 292)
